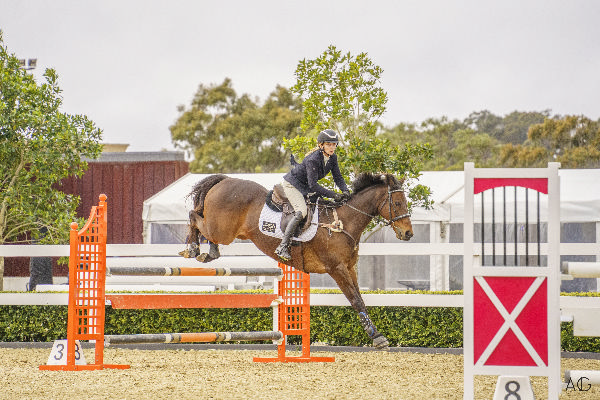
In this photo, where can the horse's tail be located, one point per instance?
(200, 190)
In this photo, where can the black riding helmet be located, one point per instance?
(328, 136)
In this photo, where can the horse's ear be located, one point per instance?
(383, 178)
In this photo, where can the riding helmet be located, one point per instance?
(328, 136)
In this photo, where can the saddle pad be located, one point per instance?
(269, 224)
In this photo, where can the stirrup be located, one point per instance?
(283, 252)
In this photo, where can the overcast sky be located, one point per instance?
(128, 64)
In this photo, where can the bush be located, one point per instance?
(439, 327)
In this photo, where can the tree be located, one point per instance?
(39, 146)
(512, 128)
(452, 142)
(486, 121)
(482, 137)
(574, 141)
(342, 92)
(227, 133)
(517, 124)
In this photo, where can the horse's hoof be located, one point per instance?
(204, 258)
(185, 253)
(381, 343)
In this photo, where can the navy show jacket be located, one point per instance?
(305, 176)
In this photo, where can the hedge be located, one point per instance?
(435, 327)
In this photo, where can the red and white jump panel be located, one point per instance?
(511, 312)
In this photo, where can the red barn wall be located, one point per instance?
(127, 179)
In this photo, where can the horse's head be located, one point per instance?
(395, 208)
(391, 204)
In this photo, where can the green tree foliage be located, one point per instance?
(574, 141)
(512, 128)
(342, 92)
(227, 133)
(39, 146)
(452, 143)
(519, 139)
(517, 124)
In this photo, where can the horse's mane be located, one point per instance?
(366, 180)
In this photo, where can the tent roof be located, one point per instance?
(580, 196)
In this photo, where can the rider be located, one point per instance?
(302, 181)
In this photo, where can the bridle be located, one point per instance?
(338, 226)
(389, 200)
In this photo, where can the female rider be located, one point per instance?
(302, 182)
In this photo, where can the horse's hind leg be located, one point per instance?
(213, 253)
(350, 289)
(197, 226)
(193, 241)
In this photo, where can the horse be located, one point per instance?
(226, 208)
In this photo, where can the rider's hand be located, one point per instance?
(341, 197)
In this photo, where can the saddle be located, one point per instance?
(277, 201)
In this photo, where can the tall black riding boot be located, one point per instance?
(283, 250)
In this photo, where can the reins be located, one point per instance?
(338, 226)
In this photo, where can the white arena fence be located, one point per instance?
(246, 253)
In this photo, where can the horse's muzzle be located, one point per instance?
(406, 235)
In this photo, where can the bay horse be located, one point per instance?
(227, 208)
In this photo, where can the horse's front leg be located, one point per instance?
(350, 288)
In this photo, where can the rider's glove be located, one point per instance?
(341, 197)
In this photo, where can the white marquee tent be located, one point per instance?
(165, 218)
(580, 197)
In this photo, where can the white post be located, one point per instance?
(468, 240)
(439, 268)
(598, 257)
(275, 307)
(554, 383)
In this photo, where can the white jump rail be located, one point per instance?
(248, 249)
(585, 317)
(576, 269)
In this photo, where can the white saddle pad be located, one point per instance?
(269, 224)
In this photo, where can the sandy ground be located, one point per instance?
(231, 374)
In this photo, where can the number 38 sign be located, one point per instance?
(58, 355)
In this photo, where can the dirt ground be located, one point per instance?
(231, 374)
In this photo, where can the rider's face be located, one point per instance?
(329, 148)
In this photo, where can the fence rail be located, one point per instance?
(248, 249)
(321, 299)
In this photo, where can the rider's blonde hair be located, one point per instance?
(313, 150)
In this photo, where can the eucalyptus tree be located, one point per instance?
(229, 133)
